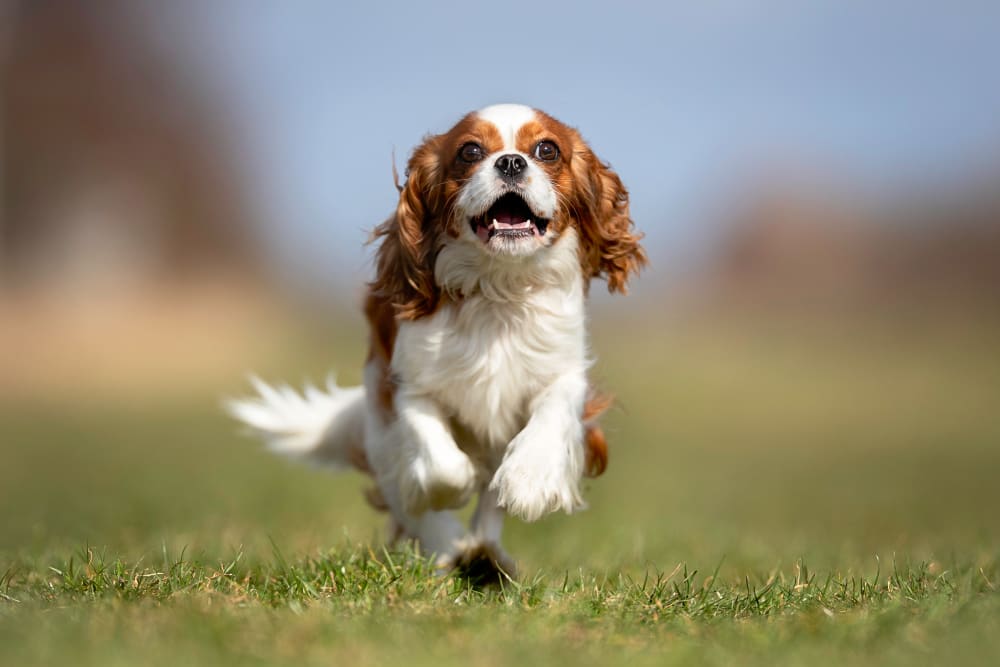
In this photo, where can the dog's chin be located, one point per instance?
(510, 227)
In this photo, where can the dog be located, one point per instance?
(476, 375)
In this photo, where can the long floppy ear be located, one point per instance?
(404, 262)
(609, 244)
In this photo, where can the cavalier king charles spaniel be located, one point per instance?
(476, 375)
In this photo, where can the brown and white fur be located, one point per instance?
(476, 376)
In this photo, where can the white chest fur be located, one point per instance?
(485, 357)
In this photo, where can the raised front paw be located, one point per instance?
(533, 481)
(445, 481)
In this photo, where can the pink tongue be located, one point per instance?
(508, 218)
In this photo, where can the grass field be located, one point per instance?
(784, 495)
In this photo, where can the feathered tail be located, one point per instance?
(320, 427)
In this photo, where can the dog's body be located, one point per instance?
(475, 380)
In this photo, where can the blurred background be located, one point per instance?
(808, 367)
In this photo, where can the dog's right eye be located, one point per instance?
(471, 152)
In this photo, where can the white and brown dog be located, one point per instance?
(476, 376)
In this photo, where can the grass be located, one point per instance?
(783, 496)
(352, 602)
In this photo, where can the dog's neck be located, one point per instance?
(463, 271)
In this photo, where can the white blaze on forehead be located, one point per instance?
(508, 119)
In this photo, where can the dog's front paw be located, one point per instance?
(533, 481)
(445, 481)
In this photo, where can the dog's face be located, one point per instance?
(508, 173)
(511, 181)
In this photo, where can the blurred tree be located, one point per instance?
(115, 169)
(818, 249)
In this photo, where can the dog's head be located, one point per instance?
(511, 182)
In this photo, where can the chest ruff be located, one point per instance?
(485, 362)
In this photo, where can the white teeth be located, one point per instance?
(496, 224)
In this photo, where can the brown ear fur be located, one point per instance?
(609, 244)
(404, 262)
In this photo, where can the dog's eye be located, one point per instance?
(547, 151)
(471, 152)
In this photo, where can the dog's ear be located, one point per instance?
(609, 244)
(404, 273)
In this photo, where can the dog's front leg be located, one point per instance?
(435, 474)
(542, 467)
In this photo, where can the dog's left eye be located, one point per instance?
(547, 151)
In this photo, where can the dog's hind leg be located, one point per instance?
(480, 558)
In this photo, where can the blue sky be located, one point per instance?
(690, 102)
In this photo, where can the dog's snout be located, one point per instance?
(510, 165)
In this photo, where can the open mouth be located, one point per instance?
(510, 217)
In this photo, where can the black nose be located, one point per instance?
(510, 165)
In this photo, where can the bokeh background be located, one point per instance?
(808, 369)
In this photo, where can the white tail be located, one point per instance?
(320, 427)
